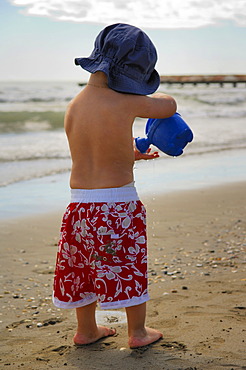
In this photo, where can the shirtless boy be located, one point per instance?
(102, 255)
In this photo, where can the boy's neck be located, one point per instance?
(98, 79)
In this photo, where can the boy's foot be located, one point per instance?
(102, 332)
(145, 338)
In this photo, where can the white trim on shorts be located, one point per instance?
(134, 301)
(81, 303)
(126, 193)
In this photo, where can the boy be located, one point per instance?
(102, 252)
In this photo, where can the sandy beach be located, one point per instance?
(197, 263)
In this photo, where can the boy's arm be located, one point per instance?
(156, 106)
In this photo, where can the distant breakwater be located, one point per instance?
(204, 79)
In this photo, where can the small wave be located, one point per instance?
(35, 100)
(221, 100)
(227, 114)
(45, 100)
(29, 121)
(214, 112)
(212, 97)
(31, 176)
(19, 157)
(204, 150)
(27, 170)
(33, 145)
(20, 100)
(37, 92)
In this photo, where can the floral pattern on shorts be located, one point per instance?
(102, 254)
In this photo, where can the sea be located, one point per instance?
(34, 153)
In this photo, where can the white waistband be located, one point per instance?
(108, 195)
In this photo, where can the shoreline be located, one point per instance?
(197, 241)
(164, 175)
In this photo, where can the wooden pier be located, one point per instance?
(234, 80)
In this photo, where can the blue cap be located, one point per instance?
(127, 56)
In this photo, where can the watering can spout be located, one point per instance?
(142, 144)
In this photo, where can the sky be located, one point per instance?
(40, 38)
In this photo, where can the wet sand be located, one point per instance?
(197, 263)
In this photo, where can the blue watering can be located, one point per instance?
(170, 135)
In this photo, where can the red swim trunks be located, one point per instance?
(102, 253)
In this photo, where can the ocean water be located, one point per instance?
(34, 150)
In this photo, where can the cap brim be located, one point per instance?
(125, 84)
(121, 82)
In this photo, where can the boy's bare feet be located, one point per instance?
(102, 331)
(145, 337)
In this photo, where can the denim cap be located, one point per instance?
(127, 56)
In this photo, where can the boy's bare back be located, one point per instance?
(98, 125)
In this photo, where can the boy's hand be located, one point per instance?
(147, 155)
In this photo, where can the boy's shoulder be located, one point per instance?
(155, 106)
(104, 96)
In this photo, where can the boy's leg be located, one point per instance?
(88, 331)
(139, 334)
